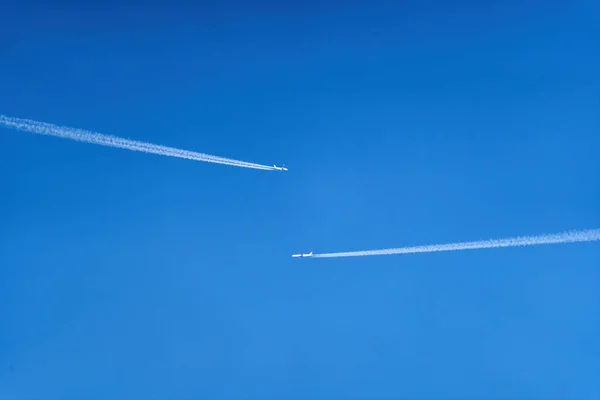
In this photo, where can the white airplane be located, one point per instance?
(303, 255)
(280, 168)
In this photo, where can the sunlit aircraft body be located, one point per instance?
(280, 168)
(303, 255)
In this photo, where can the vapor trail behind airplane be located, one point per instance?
(82, 135)
(565, 237)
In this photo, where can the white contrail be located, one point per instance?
(565, 237)
(82, 135)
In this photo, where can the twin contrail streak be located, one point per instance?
(565, 237)
(81, 135)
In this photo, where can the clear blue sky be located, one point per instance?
(131, 276)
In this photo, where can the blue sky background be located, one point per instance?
(131, 276)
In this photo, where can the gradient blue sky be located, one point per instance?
(131, 276)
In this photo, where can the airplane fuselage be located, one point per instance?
(302, 255)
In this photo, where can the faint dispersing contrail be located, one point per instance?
(565, 237)
(82, 135)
